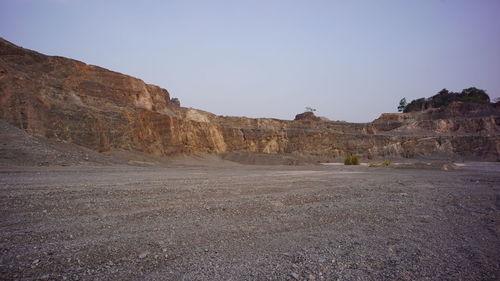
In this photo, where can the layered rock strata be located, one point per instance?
(68, 100)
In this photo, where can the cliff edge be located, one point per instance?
(68, 100)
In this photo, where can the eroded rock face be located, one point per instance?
(93, 107)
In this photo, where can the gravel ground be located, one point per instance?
(249, 223)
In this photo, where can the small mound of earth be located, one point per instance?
(307, 116)
(430, 165)
(19, 148)
(256, 158)
(450, 167)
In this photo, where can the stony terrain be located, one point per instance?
(104, 177)
(234, 222)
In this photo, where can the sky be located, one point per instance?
(351, 60)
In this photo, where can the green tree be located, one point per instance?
(474, 93)
(402, 105)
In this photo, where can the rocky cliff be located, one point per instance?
(68, 100)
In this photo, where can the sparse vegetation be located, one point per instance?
(355, 159)
(474, 100)
(386, 163)
(351, 159)
(402, 105)
(347, 160)
(444, 98)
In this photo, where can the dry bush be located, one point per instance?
(351, 159)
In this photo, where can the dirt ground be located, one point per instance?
(242, 222)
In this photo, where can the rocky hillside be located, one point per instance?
(71, 101)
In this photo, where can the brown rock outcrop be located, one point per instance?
(308, 115)
(96, 108)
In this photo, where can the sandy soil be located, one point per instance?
(249, 223)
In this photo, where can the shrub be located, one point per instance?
(351, 159)
(348, 159)
(355, 159)
(386, 163)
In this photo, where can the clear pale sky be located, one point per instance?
(351, 60)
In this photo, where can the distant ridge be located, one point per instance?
(68, 100)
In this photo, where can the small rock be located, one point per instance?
(450, 167)
(143, 255)
(295, 276)
(36, 261)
